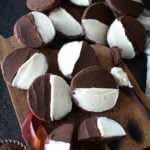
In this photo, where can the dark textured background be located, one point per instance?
(10, 11)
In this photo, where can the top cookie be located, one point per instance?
(42, 5)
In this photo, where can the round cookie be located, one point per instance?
(96, 21)
(49, 98)
(125, 7)
(20, 67)
(60, 137)
(74, 56)
(128, 34)
(99, 128)
(42, 5)
(94, 89)
(34, 30)
(65, 23)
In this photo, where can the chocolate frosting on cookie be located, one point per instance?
(26, 33)
(125, 7)
(42, 5)
(62, 133)
(39, 97)
(93, 77)
(100, 12)
(87, 58)
(135, 32)
(88, 129)
(13, 62)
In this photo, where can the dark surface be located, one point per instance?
(10, 11)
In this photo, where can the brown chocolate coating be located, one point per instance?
(88, 130)
(42, 5)
(93, 77)
(13, 61)
(135, 32)
(125, 7)
(87, 58)
(26, 33)
(62, 133)
(39, 96)
(100, 12)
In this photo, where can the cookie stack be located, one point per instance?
(122, 25)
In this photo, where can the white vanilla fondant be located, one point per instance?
(44, 26)
(68, 56)
(147, 91)
(34, 67)
(81, 2)
(56, 145)
(65, 22)
(121, 77)
(96, 99)
(145, 21)
(95, 30)
(116, 36)
(61, 103)
(109, 128)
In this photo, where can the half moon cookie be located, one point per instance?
(99, 128)
(49, 98)
(60, 138)
(34, 30)
(128, 34)
(22, 66)
(42, 5)
(65, 23)
(96, 21)
(125, 7)
(94, 89)
(75, 56)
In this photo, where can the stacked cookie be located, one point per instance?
(120, 24)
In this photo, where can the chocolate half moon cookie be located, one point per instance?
(22, 66)
(49, 98)
(128, 34)
(34, 30)
(96, 21)
(75, 56)
(60, 138)
(42, 5)
(94, 89)
(125, 7)
(65, 23)
(99, 128)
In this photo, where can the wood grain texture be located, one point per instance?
(127, 111)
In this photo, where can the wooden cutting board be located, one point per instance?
(129, 111)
